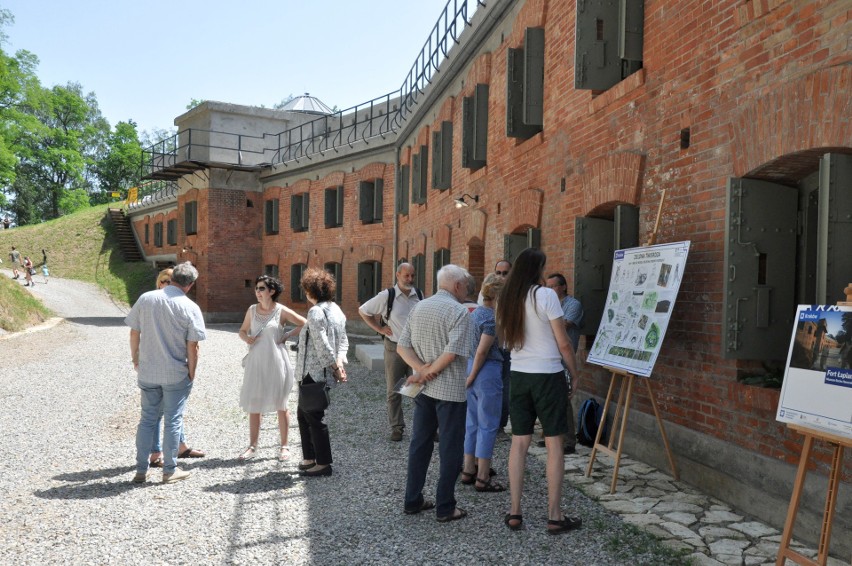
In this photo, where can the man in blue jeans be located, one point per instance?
(165, 329)
(435, 342)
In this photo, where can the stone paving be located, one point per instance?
(707, 530)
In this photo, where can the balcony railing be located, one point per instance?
(154, 192)
(193, 149)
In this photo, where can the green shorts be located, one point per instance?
(538, 395)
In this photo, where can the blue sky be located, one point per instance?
(146, 60)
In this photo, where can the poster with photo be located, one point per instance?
(817, 390)
(642, 293)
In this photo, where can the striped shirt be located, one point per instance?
(436, 325)
(166, 319)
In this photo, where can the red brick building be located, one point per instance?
(561, 124)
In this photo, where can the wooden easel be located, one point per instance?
(837, 443)
(622, 407)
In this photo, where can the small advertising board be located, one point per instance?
(817, 389)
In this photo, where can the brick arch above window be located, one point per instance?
(443, 236)
(330, 255)
(474, 226)
(372, 171)
(801, 126)
(445, 113)
(334, 179)
(532, 15)
(480, 73)
(614, 178)
(272, 192)
(368, 252)
(525, 211)
(291, 257)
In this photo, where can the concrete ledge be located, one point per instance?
(372, 356)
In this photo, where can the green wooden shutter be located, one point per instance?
(295, 212)
(331, 208)
(424, 173)
(339, 209)
(593, 250)
(467, 133)
(437, 157)
(631, 31)
(365, 281)
(295, 282)
(446, 174)
(402, 189)
(515, 126)
(190, 218)
(480, 123)
(597, 65)
(366, 191)
(760, 267)
(306, 210)
(834, 261)
(533, 107)
(378, 200)
(419, 264)
(626, 227)
(415, 178)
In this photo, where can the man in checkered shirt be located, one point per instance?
(436, 342)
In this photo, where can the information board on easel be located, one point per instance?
(642, 292)
(816, 402)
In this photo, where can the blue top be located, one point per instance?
(482, 322)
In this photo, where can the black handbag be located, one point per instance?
(313, 397)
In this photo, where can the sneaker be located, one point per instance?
(396, 435)
(140, 477)
(177, 475)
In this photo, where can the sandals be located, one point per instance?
(425, 506)
(248, 454)
(192, 453)
(488, 486)
(468, 479)
(158, 463)
(458, 513)
(283, 453)
(563, 525)
(519, 521)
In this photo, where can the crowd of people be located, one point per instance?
(469, 368)
(25, 264)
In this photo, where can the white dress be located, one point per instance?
(268, 375)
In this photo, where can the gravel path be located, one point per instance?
(70, 408)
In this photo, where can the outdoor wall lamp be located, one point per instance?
(461, 203)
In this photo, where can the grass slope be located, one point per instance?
(79, 246)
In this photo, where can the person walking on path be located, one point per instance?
(268, 377)
(435, 342)
(484, 392)
(322, 353)
(386, 313)
(165, 329)
(531, 324)
(164, 279)
(15, 258)
(28, 272)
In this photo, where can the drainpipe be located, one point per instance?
(395, 215)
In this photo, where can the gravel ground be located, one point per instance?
(70, 408)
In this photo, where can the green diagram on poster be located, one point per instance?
(642, 292)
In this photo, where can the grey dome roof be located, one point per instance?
(307, 104)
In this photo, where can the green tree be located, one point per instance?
(118, 169)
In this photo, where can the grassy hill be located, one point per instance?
(79, 246)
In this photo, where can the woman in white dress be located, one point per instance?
(268, 375)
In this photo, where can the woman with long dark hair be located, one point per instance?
(531, 325)
(268, 377)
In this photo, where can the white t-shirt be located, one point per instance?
(540, 353)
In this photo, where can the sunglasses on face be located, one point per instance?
(260, 288)
(502, 272)
(165, 281)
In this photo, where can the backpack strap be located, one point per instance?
(391, 295)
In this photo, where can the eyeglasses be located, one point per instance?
(260, 288)
(165, 281)
(502, 272)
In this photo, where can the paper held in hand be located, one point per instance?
(408, 389)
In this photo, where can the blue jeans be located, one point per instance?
(156, 446)
(430, 415)
(170, 399)
(484, 404)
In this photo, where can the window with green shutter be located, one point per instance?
(300, 212)
(334, 207)
(270, 216)
(171, 232)
(297, 294)
(608, 42)
(402, 180)
(475, 128)
(370, 201)
(442, 156)
(525, 86)
(419, 175)
(158, 234)
(190, 220)
(440, 258)
(369, 280)
(336, 271)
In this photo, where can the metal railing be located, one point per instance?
(356, 125)
(154, 192)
